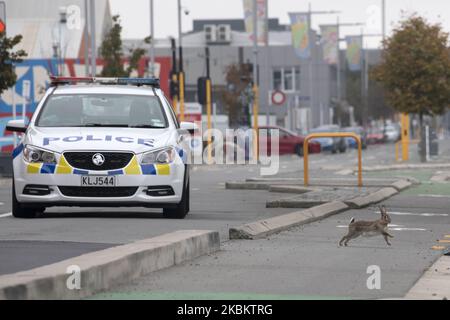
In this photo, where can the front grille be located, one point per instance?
(113, 160)
(101, 192)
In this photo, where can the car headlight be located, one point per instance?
(36, 155)
(161, 156)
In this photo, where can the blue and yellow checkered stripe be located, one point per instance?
(133, 168)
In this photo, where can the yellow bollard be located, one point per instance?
(208, 113)
(405, 136)
(181, 93)
(330, 135)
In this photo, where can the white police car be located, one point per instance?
(95, 142)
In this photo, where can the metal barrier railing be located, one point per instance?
(331, 135)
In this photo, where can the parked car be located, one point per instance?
(289, 141)
(375, 135)
(362, 134)
(392, 133)
(104, 142)
(330, 144)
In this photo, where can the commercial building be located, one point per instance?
(309, 84)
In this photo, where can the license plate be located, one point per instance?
(98, 181)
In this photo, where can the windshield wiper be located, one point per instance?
(106, 125)
(147, 126)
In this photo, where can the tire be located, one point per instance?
(18, 211)
(182, 208)
(299, 150)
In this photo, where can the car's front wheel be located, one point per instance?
(182, 209)
(19, 211)
(299, 150)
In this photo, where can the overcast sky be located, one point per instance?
(135, 13)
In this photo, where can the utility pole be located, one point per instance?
(255, 80)
(267, 55)
(86, 38)
(93, 42)
(363, 81)
(152, 43)
(383, 18)
(181, 73)
(62, 22)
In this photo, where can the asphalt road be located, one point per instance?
(306, 263)
(64, 232)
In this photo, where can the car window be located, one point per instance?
(84, 110)
(172, 113)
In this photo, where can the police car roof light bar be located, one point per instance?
(153, 82)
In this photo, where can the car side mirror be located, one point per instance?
(17, 126)
(189, 126)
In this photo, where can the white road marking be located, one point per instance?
(4, 215)
(418, 214)
(391, 225)
(408, 229)
(195, 189)
(396, 227)
(433, 196)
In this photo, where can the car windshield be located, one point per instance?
(102, 110)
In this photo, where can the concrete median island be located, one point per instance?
(101, 270)
(324, 198)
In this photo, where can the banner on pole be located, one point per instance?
(261, 19)
(354, 52)
(330, 43)
(300, 34)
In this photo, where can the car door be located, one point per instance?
(287, 142)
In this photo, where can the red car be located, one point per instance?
(289, 142)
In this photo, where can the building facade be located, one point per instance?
(309, 84)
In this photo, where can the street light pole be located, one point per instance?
(255, 79)
(383, 18)
(62, 22)
(267, 55)
(152, 43)
(86, 38)
(311, 77)
(93, 41)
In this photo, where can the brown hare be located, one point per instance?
(368, 228)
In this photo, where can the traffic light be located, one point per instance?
(201, 90)
(173, 86)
